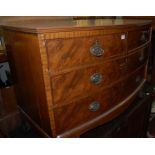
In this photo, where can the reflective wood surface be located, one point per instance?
(53, 64)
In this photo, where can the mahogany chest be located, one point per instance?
(73, 75)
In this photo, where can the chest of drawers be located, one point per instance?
(73, 75)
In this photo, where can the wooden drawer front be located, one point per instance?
(84, 110)
(68, 53)
(80, 83)
(138, 58)
(132, 82)
(137, 38)
(77, 113)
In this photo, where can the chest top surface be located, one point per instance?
(44, 25)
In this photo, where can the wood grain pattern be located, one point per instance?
(108, 98)
(48, 26)
(8, 100)
(52, 70)
(132, 123)
(137, 58)
(79, 111)
(103, 118)
(28, 78)
(142, 18)
(78, 84)
(133, 81)
(70, 53)
(98, 31)
(135, 38)
(48, 91)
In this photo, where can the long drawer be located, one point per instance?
(68, 53)
(82, 82)
(79, 112)
(76, 113)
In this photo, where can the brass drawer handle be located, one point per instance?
(96, 50)
(94, 106)
(96, 78)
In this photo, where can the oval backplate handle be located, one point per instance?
(94, 106)
(96, 78)
(96, 50)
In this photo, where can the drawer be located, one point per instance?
(137, 38)
(84, 110)
(138, 58)
(77, 113)
(68, 53)
(132, 82)
(82, 82)
(128, 85)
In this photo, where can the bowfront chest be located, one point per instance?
(74, 75)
